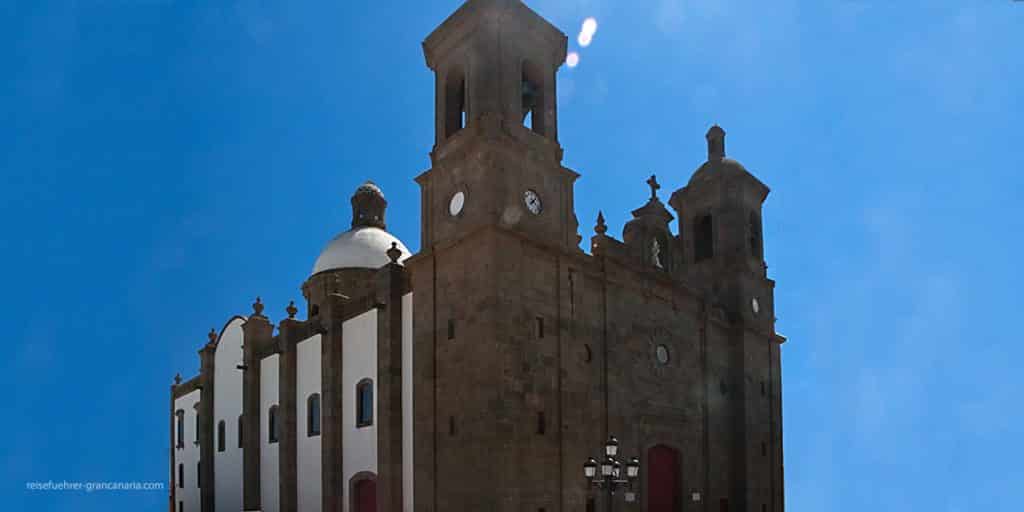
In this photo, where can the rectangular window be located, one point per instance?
(199, 475)
(451, 328)
(221, 435)
(180, 417)
(181, 476)
(540, 327)
(181, 506)
(764, 449)
(239, 431)
(723, 505)
(542, 423)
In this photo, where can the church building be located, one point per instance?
(482, 372)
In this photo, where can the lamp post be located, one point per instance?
(607, 474)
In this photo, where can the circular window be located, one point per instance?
(456, 204)
(661, 353)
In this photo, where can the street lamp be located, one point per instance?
(611, 477)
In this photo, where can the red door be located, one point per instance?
(366, 496)
(664, 493)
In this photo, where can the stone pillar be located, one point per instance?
(206, 447)
(257, 332)
(392, 283)
(331, 449)
(288, 461)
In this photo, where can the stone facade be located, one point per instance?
(528, 352)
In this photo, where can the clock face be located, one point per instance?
(532, 201)
(458, 201)
(755, 306)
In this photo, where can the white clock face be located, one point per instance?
(457, 203)
(532, 201)
(755, 306)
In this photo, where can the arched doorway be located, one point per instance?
(363, 493)
(664, 483)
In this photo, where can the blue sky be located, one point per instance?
(163, 162)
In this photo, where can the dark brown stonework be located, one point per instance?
(392, 284)
(288, 458)
(206, 421)
(258, 336)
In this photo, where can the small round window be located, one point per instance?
(661, 353)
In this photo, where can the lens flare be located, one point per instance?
(572, 59)
(585, 39)
(589, 26)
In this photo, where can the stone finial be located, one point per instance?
(600, 228)
(257, 307)
(212, 335)
(177, 379)
(394, 252)
(653, 183)
(291, 309)
(716, 143)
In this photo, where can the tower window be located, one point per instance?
(533, 101)
(181, 476)
(455, 102)
(364, 403)
(451, 425)
(221, 434)
(240, 430)
(764, 449)
(755, 236)
(199, 475)
(314, 311)
(181, 506)
(273, 425)
(451, 328)
(703, 232)
(313, 415)
(540, 327)
(180, 427)
(542, 423)
(762, 388)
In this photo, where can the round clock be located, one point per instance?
(532, 201)
(458, 201)
(755, 306)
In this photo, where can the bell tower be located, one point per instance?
(496, 159)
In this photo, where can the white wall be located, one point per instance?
(308, 379)
(269, 468)
(359, 361)
(227, 407)
(407, 467)
(188, 454)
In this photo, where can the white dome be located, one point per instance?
(361, 247)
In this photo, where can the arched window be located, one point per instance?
(239, 430)
(364, 403)
(272, 425)
(363, 492)
(313, 415)
(704, 238)
(455, 102)
(221, 434)
(755, 236)
(179, 416)
(533, 100)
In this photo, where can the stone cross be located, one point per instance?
(653, 183)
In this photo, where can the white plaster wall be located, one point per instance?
(407, 467)
(188, 454)
(227, 407)
(308, 381)
(359, 361)
(269, 468)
